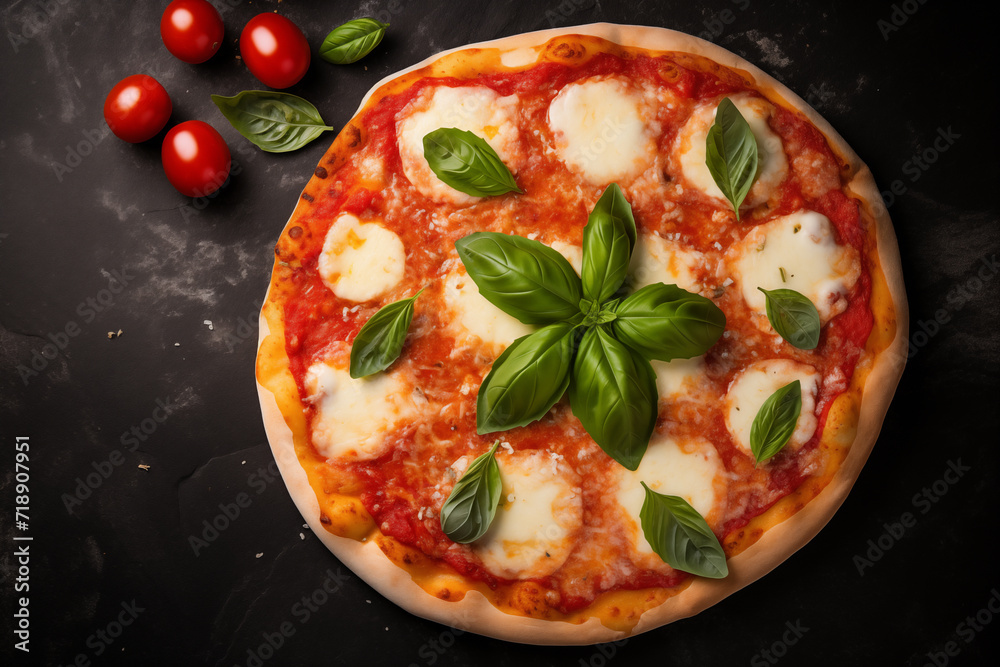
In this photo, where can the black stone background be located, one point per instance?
(64, 232)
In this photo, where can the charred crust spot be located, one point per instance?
(715, 69)
(324, 519)
(444, 594)
(407, 559)
(735, 541)
(569, 50)
(321, 172)
(354, 135)
(296, 231)
(669, 72)
(308, 197)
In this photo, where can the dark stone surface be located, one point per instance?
(67, 229)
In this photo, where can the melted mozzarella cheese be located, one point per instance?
(471, 315)
(689, 149)
(541, 508)
(572, 253)
(748, 391)
(796, 252)
(601, 130)
(353, 415)
(476, 109)
(656, 260)
(678, 376)
(691, 470)
(361, 261)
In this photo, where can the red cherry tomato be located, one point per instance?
(137, 108)
(196, 158)
(192, 30)
(275, 50)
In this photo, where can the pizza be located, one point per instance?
(574, 333)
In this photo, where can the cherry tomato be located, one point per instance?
(137, 108)
(275, 50)
(192, 30)
(196, 158)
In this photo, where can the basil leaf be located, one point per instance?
(521, 277)
(774, 424)
(613, 394)
(681, 536)
(469, 510)
(665, 322)
(731, 153)
(608, 240)
(526, 380)
(380, 340)
(467, 163)
(276, 122)
(352, 41)
(794, 317)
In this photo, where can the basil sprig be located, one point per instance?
(352, 41)
(521, 277)
(612, 387)
(276, 122)
(380, 340)
(608, 241)
(681, 536)
(595, 312)
(467, 163)
(613, 394)
(774, 423)
(731, 153)
(526, 380)
(793, 316)
(665, 322)
(469, 510)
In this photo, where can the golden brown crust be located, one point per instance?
(429, 591)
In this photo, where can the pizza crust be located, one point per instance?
(769, 539)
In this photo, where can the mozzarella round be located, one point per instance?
(678, 376)
(755, 384)
(602, 130)
(361, 261)
(572, 253)
(690, 469)
(656, 260)
(541, 510)
(476, 109)
(353, 416)
(797, 252)
(472, 318)
(689, 149)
